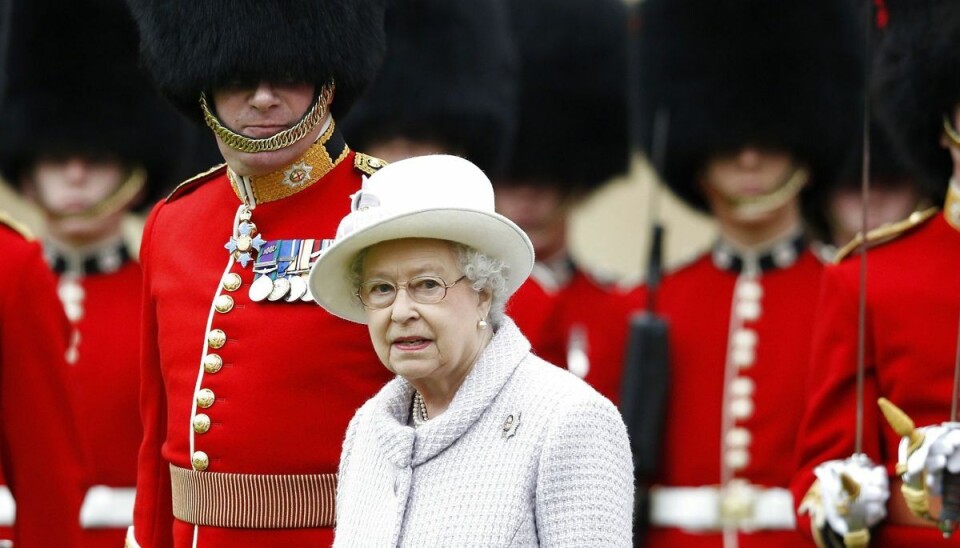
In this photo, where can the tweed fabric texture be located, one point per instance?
(526, 455)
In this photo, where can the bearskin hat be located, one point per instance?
(190, 47)
(730, 73)
(917, 82)
(574, 121)
(74, 87)
(449, 76)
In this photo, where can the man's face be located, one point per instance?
(750, 173)
(263, 111)
(399, 148)
(540, 210)
(747, 173)
(954, 149)
(886, 203)
(72, 185)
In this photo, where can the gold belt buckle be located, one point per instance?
(737, 500)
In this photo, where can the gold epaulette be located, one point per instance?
(195, 180)
(368, 164)
(886, 233)
(15, 225)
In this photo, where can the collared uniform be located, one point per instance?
(911, 342)
(581, 324)
(739, 330)
(239, 393)
(40, 451)
(101, 294)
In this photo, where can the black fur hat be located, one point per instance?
(917, 80)
(449, 76)
(74, 87)
(729, 73)
(574, 119)
(190, 46)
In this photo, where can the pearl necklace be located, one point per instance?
(419, 410)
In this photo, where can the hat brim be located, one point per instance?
(492, 234)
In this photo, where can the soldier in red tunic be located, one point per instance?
(82, 150)
(757, 95)
(912, 310)
(247, 386)
(39, 449)
(572, 137)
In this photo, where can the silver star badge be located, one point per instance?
(297, 175)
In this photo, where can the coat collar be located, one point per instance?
(391, 413)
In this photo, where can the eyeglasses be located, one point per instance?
(422, 289)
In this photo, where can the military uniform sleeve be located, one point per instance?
(40, 444)
(829, 424)
(585, 484)
(153, 511)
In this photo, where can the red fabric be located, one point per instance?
(696, 302)
(293, 375)
(912, 311)
(603, 312)
(40, 451)
(105, 382)
(529, 308)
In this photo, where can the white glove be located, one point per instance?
(940, 450)
(843, 512)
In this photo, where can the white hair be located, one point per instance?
(484, 272)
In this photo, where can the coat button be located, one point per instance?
(205, 398)
(216, 339)
(201, 423)
(200, 461)
(223, 304)
(212, 363)
(232, 281)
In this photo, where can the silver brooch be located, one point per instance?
(510, 426)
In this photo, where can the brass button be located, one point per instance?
(201, 423)
(223, 304)
(232, 281)
(216, 339)
(212, 363)
(200, 461)
(205, 398)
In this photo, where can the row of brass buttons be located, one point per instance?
(212, 363)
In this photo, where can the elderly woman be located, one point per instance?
(477, 442)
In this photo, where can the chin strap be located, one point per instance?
(758, 205)
(278, 141)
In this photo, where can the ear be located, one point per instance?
(485, 297)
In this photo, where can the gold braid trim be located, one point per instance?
(918, 501)
(885, 233)
(857, 539)
(280, 140)
(950, 132)
(316, 162)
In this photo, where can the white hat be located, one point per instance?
(442, 197)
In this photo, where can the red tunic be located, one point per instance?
(292, 375)
(586, 331)
(912, 311)
(753, 438)
(105, 381)
(41, 455)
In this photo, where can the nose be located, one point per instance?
(264, 97)
(749, 157)
(75, 170)
(403, 308)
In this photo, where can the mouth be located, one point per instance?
(410, 344)
(260, 131)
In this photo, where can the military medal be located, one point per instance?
(280, 288)
(266, 265)
(245, 241)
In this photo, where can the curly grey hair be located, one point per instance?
(483, 271)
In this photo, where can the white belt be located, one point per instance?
(107, 507)
(739, 505)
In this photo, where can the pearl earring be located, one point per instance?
(481, 325)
